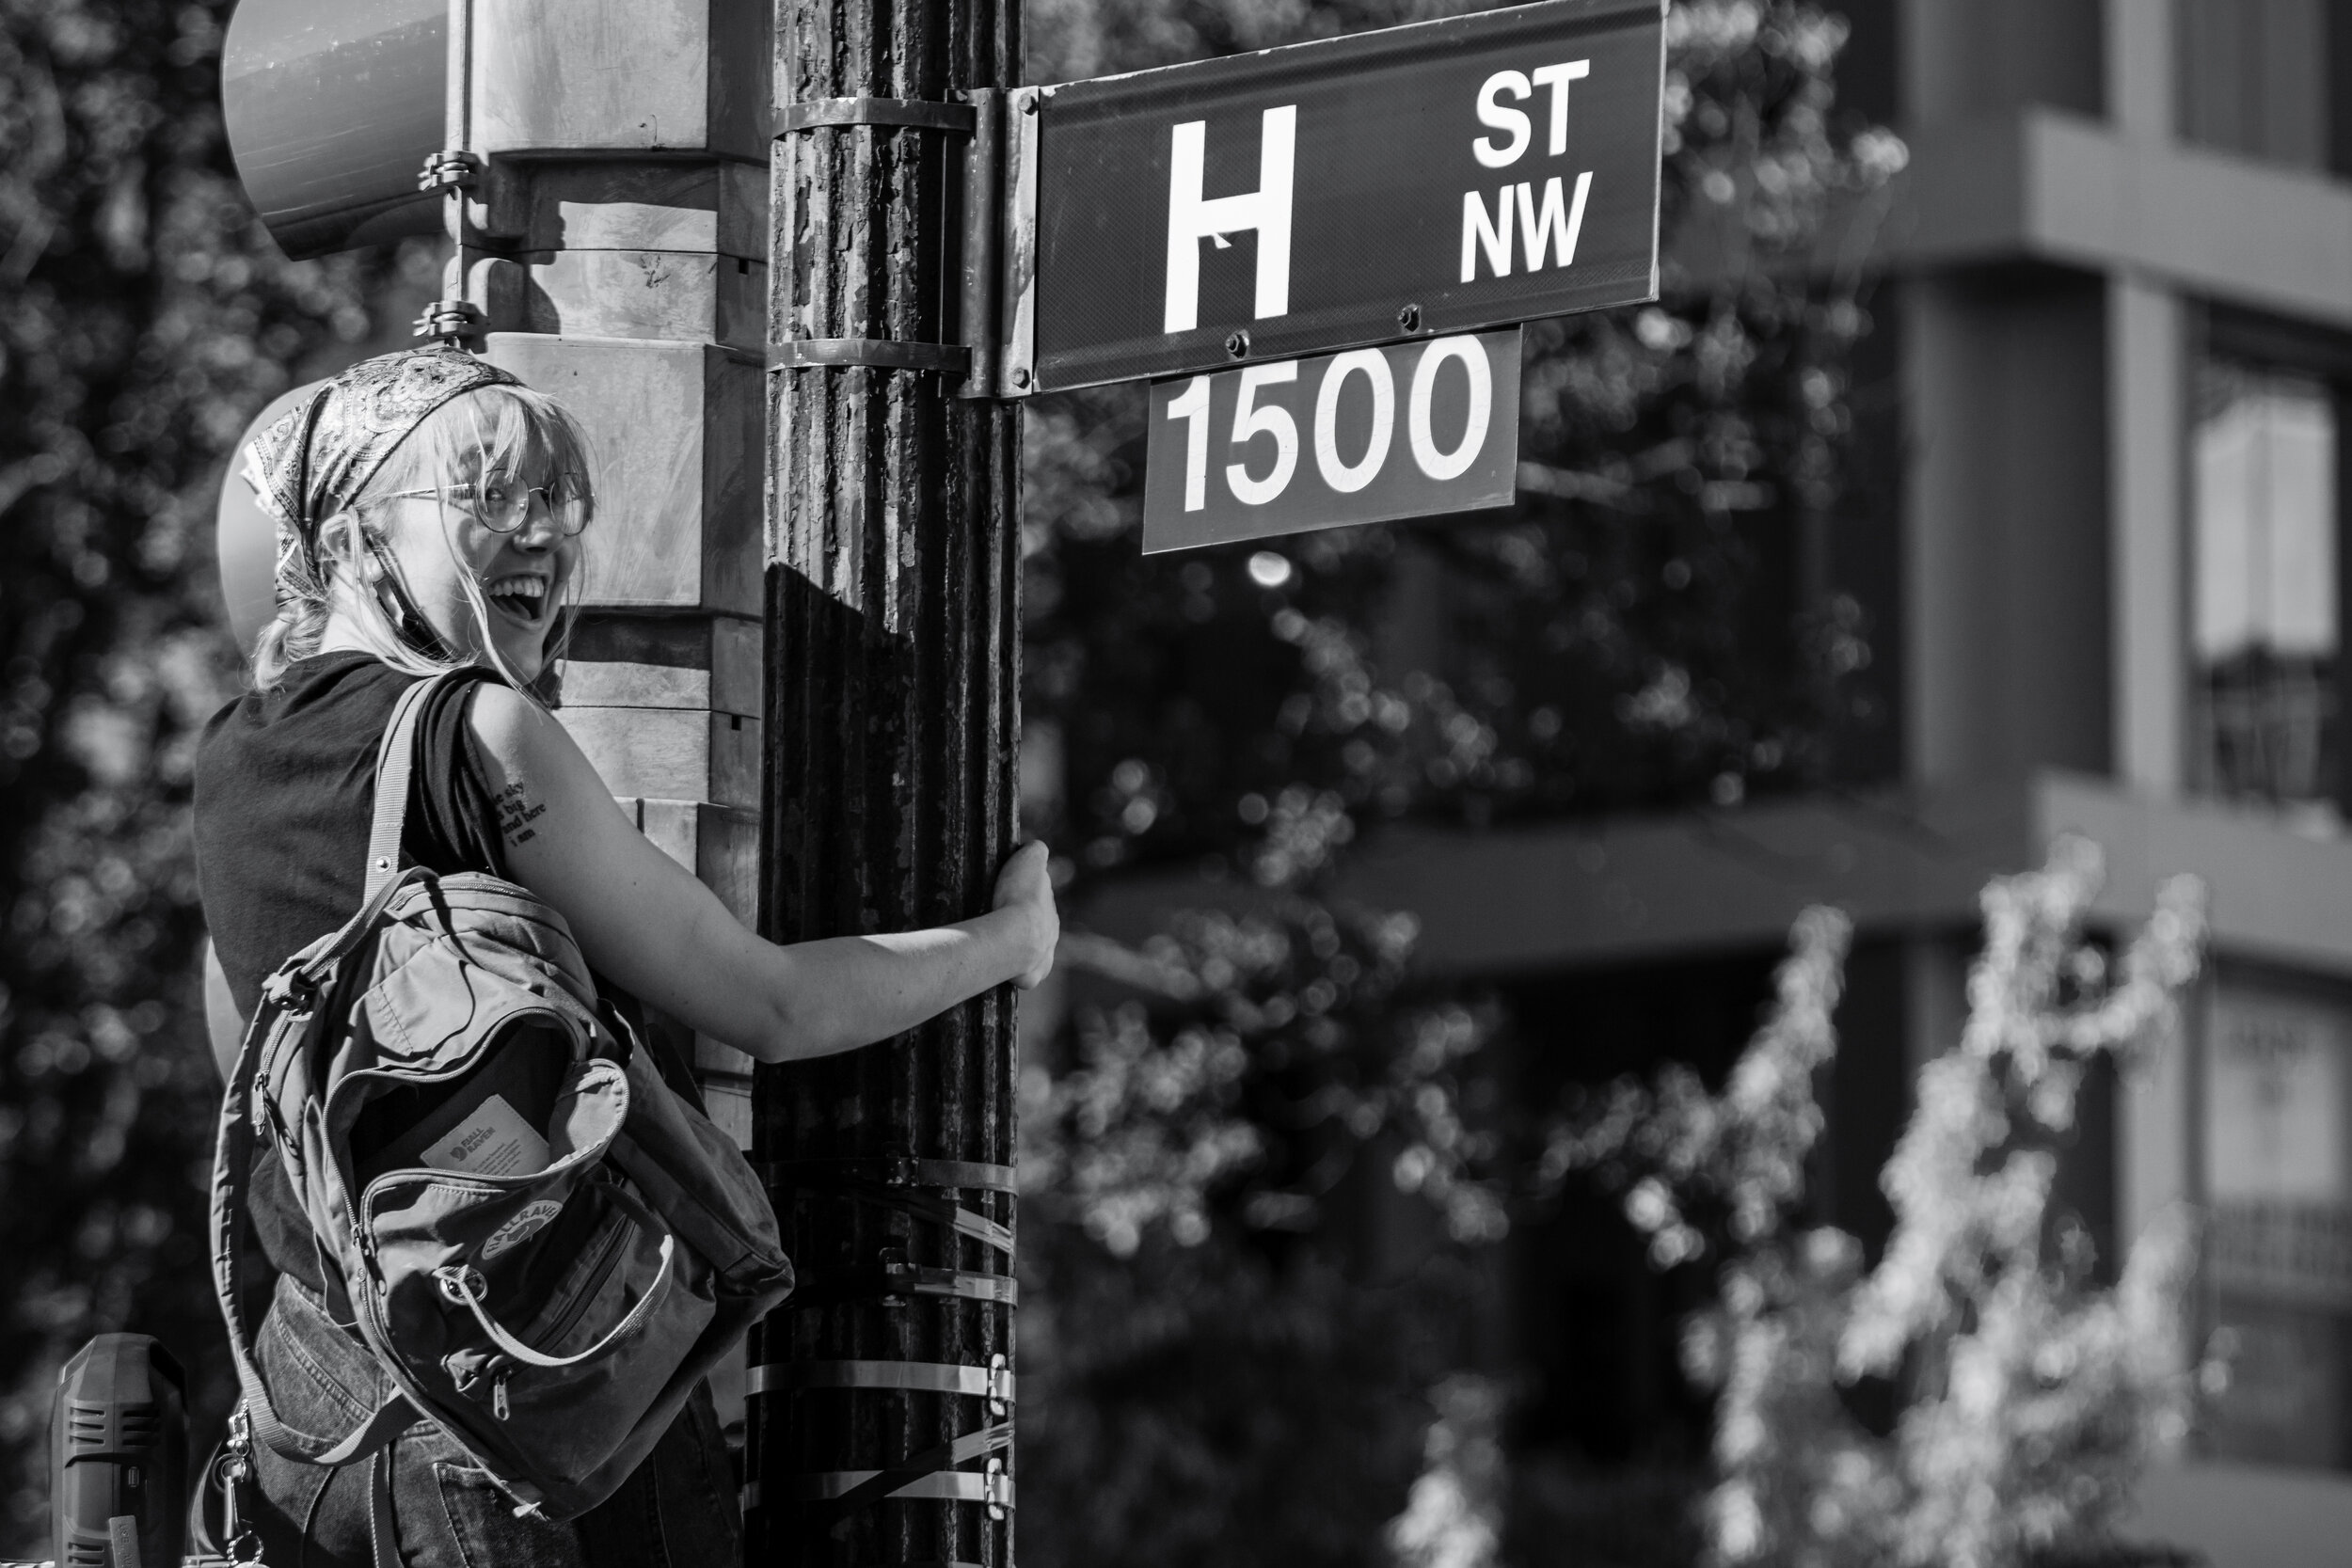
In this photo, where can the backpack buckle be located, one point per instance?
(289, 987)
(461, 1284)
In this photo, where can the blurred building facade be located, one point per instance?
(2097, 519)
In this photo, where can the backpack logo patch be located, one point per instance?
(528, 1222)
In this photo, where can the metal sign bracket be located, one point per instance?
(978, 117)
(1015, 371)
(911, 113)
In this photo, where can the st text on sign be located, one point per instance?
(1439, 177)
(1411, 430)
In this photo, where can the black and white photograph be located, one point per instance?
(1286, 783)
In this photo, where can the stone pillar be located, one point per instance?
(612, 249)
(615, 246)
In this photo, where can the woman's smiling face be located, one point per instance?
(485, 444)
(522, 576)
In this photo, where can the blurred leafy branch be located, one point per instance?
(144, 317)
(2031, 1397)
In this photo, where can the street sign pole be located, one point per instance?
(880, 1424)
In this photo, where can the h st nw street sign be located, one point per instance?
(1221, 219)
(1445, 176)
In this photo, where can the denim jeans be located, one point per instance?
(679, 1511)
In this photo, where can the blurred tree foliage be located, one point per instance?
(144, 317)
(2032, 1397)
(1217, 1357)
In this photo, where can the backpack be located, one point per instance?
(543, 1245)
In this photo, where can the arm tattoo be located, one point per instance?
(516, 811)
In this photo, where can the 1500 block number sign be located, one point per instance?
(1375, 433)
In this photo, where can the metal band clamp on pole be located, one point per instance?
(917, 114)
(896, 1278)
(992, 1487)
(877, 353)
(929, 1474)
(939, 1211)
(979, 119)
(913, 1281)
(995, 1383)
(449, 318)
(842, 1488)
(451, 169)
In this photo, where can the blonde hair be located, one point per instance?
(510, 430)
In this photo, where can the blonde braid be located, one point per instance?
(294, 633)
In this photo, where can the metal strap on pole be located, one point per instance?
(931, 1473)
(994, 1384)
(845, 1489)
(941, 1210)
(913, 1281)
(897, 1278)
(978, 117)
(917, 114)
(880, 352)
(451, 169)
(992, 1487)
(448, 318)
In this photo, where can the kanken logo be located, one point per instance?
(528, 1222)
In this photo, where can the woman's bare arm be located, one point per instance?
(644, 921)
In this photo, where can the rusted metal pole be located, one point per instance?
(892, 717)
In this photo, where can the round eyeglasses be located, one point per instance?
(504, 506)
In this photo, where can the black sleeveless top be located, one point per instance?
(285, 786)
(285, 791)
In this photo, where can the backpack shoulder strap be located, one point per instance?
(232, 1163)
(233, 1167)
(395, 764)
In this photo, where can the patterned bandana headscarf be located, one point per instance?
(310, 464)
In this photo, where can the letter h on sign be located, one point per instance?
(1266, 210)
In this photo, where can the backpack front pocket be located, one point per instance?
(573, 1299)
(623, 1318)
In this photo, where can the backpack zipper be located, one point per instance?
(594, 1285)
(403, 1077)
(501, 1369)
(405, 1173)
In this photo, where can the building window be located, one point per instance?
(2253, 78)
(2277, 1107)
(2263, 456)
